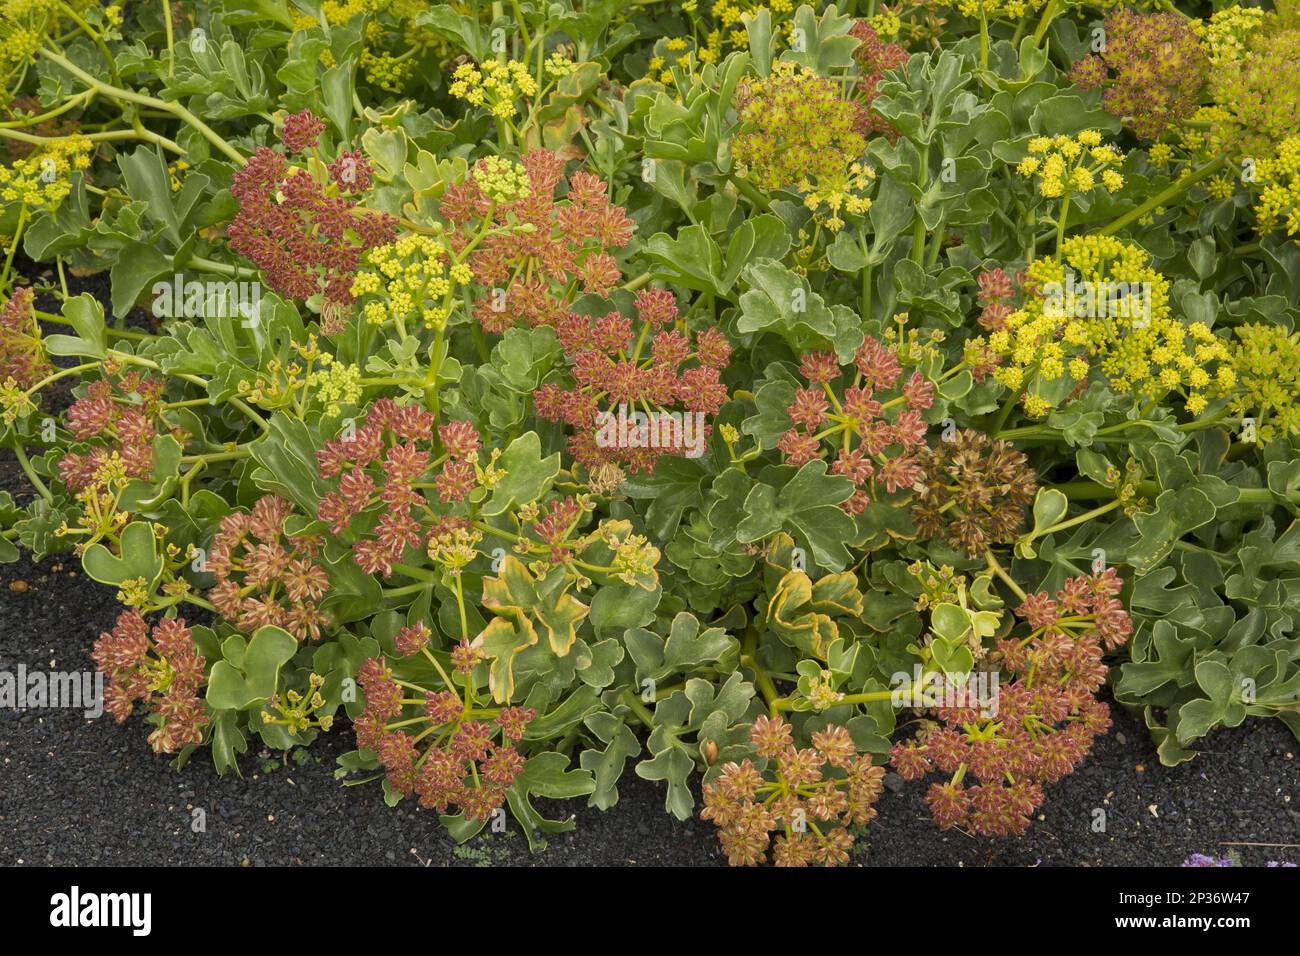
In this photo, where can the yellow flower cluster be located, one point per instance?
(409, 278)
(24, 26)
(502, 180)
(635, 559)
(675, 53)
(18, 46)
(454, 548)
(797, 129)
(724, 32)
(1072, 164)
(336, 384)
(1104, 305)
(15, 403)
(1278, 205)
(386, 71)
(1224, 35)
(887, 24)
(999, 9)
(174, 172)
(280, 384)
(1256, 81)
(730, 15)
(339, 12)
(1211, 136)
(494, 85)
(1267, 363)
(973, 8)
(558, 65)
(277, 384)
(1221, 187)
(41, 179)
(839, 192)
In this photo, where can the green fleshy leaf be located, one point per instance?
(527, 475)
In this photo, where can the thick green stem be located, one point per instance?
(749, 658)
(866, 291)
(753, 195)
(918, 227)
(13, 247)
(130, 96)
(27, 468)
(1049, 15)
(1161, 198)
(642, 712)
(996, 567)
(171, 38)
(1078, 519)
(1060, 225)
(867, 697)
(1004, 413)
(72, 103)
(129, 334)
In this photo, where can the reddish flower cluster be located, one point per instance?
(350, 172)
(995, 295)
(875, 440)
(301, 131)
(874, 57)
(164, 670)
(21, 356)
(613, 379)
(1158, 68)
(265, 576)
(562, 517)
(470, 765)
(1045, 720)
(305, 235)
(122, 412)
(812, 794)
(380, 463)
(974, 491)
(541, 250)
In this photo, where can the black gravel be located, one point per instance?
(78, 791)
(89, 792)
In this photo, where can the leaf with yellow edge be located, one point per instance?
(518, 600)
(802, 613)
